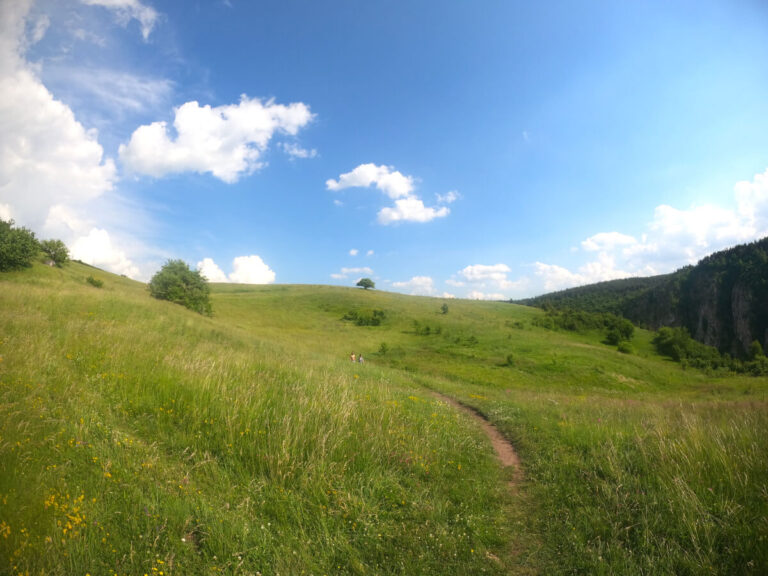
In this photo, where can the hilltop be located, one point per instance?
(137, 436)
(722, 301)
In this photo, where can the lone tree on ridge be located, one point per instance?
(366, 283)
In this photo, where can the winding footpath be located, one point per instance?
(504, 450)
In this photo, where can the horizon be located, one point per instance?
(354, 286)
(444, 150)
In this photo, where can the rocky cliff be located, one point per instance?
(722, 301)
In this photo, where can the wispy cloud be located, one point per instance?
(347, 272)
(295, 151)
(127, 10)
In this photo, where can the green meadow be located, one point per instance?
(137, 437)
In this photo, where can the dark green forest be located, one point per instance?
(721, 302)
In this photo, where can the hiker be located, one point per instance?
(360, 358)
(352, 356)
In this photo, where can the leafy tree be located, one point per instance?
(756, 350)
(56, 250)
(366, 283)
(18, 247)
(619, 329)
(175, 282)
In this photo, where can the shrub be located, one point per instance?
(18, 247)
(56, 250)
(176, 283)
(619, 329)
(94, 282)
(625, 347)
(383, 348)
(366, 317)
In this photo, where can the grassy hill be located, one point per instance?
(137, 437)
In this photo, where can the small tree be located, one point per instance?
(18, 247)
(175, 282)
(366, 283)
(444, 308)
(56, 250)
(755, 350)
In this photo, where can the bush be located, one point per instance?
(366, 317)
(625, 347)
(95, 282)
(176, 283)
(18, 247)
(678, 344)
(619, 329)
(56, 250)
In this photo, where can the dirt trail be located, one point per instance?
(503, 448)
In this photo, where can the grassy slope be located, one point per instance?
(137, 437)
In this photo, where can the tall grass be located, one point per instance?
(137, 437)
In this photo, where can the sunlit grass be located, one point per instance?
(138, 437)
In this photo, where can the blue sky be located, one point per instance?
(495, 149)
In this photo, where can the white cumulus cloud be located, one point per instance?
(408, 207)
(245, 270)
(418, 285)
(54, 177)
(227, 141)
(478, 295)
(487, 282)
(674, 237)
(385, 178)
(211, 270)
(97, 249)
(482, 273)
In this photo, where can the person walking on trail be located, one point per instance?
(352, 356)
(360, 358)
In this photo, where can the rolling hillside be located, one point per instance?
(722, 301)
(137, 437)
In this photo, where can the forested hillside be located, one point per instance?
(722, 301)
